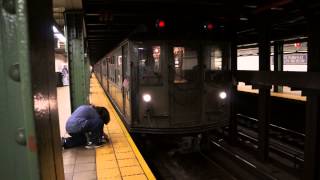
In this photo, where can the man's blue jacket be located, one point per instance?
(85, 119)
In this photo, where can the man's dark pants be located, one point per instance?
(76, 139)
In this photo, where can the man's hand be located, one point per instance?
(104, 138)
(105, 135)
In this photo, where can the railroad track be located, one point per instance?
(283, 142)
(284, 135)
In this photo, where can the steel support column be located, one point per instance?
(278, 61)
(44, 91)
(28, 93)
(264, 93)
(200, 79)
(312, 141)
(18, 153)
(264, 118)
(233, 132)
(78, 63)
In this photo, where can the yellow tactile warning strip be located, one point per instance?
(120, 158)
(276, 94)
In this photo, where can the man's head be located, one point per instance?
(103, 113)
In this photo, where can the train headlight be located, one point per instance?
(222, 95)
(146, 97)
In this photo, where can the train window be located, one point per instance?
(104, 68)
(111, 69)
(126, 64)
(149, 65)
(185, 64)
(215, 59)
(156, 56)
(119, 70)
(126, 68)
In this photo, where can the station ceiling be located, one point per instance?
(59, 6)
(108, 22)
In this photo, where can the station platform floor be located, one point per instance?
(119, 159)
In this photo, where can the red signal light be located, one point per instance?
(161, 24)
(210, 26)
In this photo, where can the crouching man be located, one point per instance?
(85, 126)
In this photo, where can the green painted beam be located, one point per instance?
(28, 104)
(78, 63)
(16, 104)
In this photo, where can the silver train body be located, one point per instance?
(168, 87)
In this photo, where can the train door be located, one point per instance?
(151, 78)
(108, 73)
(111, 76)
(100, 72)
(185, 85)
(126, 82)
(119, 79)
(104, 76)
(217, 83)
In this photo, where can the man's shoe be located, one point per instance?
(93, 145)
(104, 140)
(63, 142)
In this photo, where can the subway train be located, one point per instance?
(168, 86)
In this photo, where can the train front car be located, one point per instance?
(179, 87)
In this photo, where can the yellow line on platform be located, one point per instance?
(106, 102)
